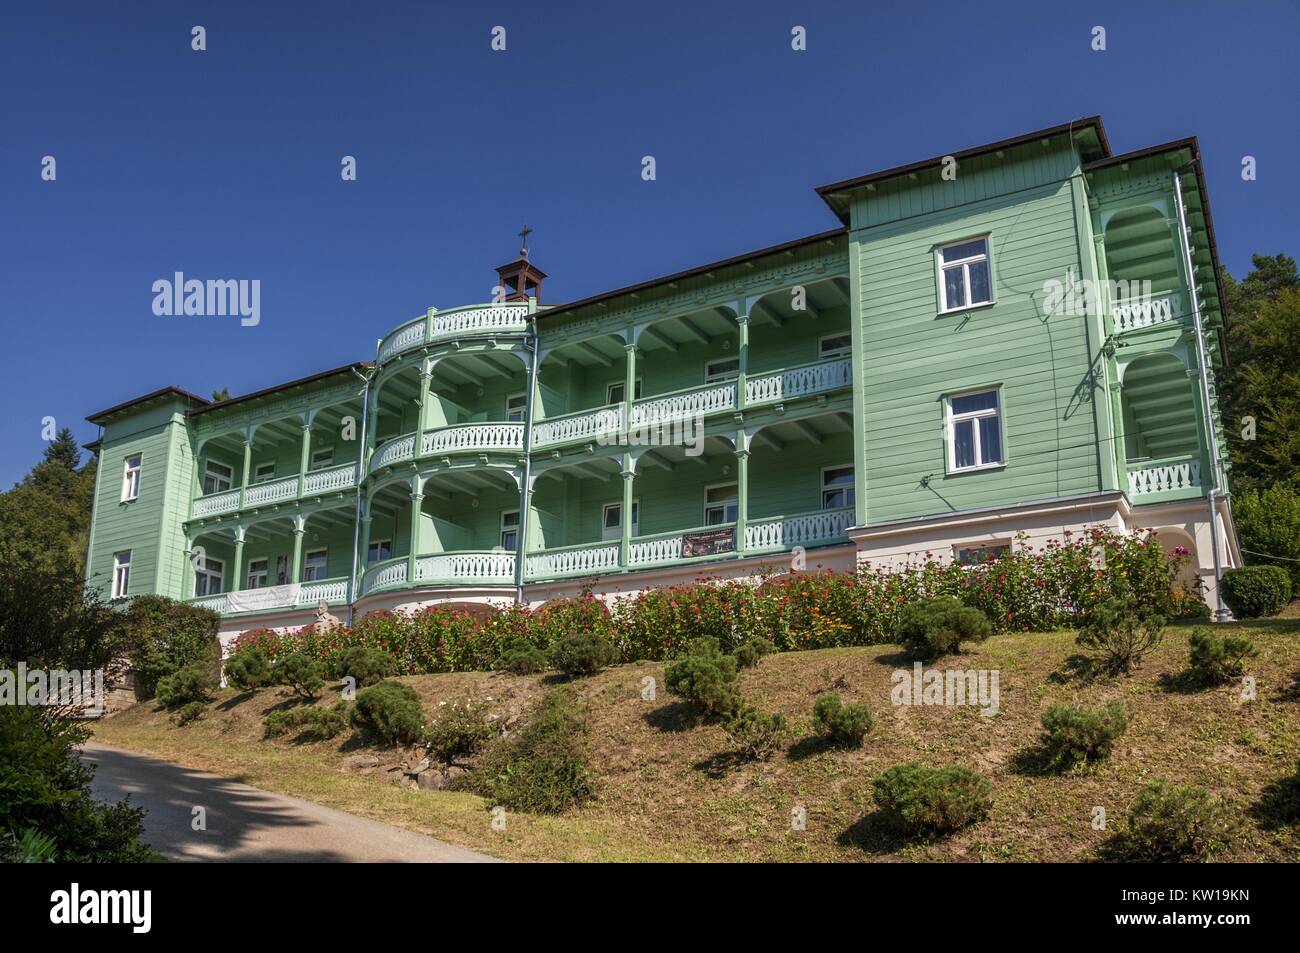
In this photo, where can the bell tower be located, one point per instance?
(520, 278)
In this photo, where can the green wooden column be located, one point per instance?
(248, 462)
(629, 387)
(362, 556)
(304, 458)
(299, 530)
(742, 488)
(625, 538)
(426, 379)
(417, 500)
(742, 370)
(239, 561)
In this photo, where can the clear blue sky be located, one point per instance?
(225, 164)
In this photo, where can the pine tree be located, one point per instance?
(64, 451)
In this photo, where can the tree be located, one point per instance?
(219, 395)
(63, 450)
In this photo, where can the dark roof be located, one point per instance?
(158, 394)
(692, 272)
(355, 365)
(1093, 122)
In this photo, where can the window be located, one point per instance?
(974, 430)
(979, 555)
(322, 458)
(281, 570)
(256, 574)
(964, 278)
(720, 504)
(313, 566)
(510, 530)
(263, 472)
(614, 392)
(725, 369)
(379, 550)
(837, 487)
(835, 345)
(516, 404)
(131, 478)
(611, 520)
(121, 574)
(208, 576)
(216, 477)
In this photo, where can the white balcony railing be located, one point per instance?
(403, 339)
(471, 567)
(396, 450)
(331, 590)
(391, 572)
(583, 425)
(1163, 476)
(216, 503)
(459, 322)
(804, 529)
(806, 379)
(493, 436)
(272, 491)
(572, 560)
(335, 478)
(684, 405)
(1131, 315)
(217, 603)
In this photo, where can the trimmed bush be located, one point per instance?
(190, 711)
(319, 723)
(707, 677)
(750, 652)
(840, 724)
(582, 653)
(365, 664)
(193, 683)
(1168, 823)
(300, 672)
(1077, 735)
(249, 669)
(460, 729)
(521, 657)
(1121, 632)
(543, 767)
(759, 735)
(929, 800)
(1215, 659)
(389, 712)
(1255, 591)
(935, 627)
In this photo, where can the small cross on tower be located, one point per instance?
(520, 278)
(523, 238)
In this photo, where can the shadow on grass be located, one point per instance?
(1291, 692)
(1186, 682)
(1279, 803)
(1077, 668)
(880, 834)
(811, 746)
(718, 766)
(236, 700)
(674, 717)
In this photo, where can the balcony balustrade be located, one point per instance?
(1173, 475)
(1131, 315)
(454, 324)
(329, 480)
(815, 378)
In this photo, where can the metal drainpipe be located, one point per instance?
(521, 538)
(1211, 441)
(361, 463)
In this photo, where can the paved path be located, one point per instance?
(248, 824)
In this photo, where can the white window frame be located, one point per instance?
(611, 533)
(730, 501)
(823, 354)
(209, 576)
(940, 266)
(521, 409)
(121, 574)
(217, 478)
(257, 472)
(512, 528)
(951, 420)
(718, 377)
(959, 548)
(263, 574)
(131, 477)
(849, 490)
(316, 464)
(609, 390)
(379, 545)
(307, 568)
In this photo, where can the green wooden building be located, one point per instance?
(990, 348)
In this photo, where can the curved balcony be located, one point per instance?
(455, 568)
(1145, 313)
(583, 425)
(458, 438)
(454, 323)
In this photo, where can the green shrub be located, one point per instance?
(750, 652)
(707, 677)
(1168, 823)
(389, 712)
(1255, 591)
(365, 664)
(927, 800)
(280, 722)
(163, 636)
(190, 711)
(582, 653)
(1121, 632)
(319, 723)
(460, 729)
(1077, 735)
(1215, 659)
(1269, 522)
(300, 672)
(543, 767)
(758, 735)
(193, 683)
(935, 627)
(840, 724)
(521, 657)
(248, 669)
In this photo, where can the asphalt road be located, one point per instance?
(247, 824)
